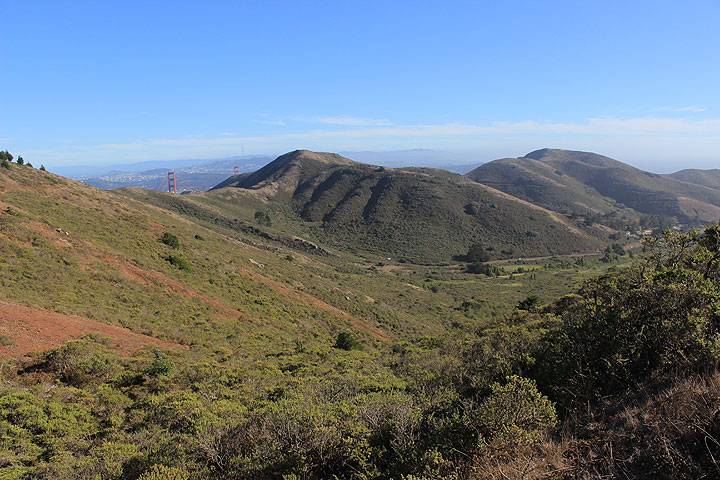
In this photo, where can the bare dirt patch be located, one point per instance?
(35, 329)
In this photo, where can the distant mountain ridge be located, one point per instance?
(416, 213)
(582, 183)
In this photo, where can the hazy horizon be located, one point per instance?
(392, 158)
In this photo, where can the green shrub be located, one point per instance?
(529, 304)
(162, 472)
(170, 240)
(483, 269)
(179, 262)
(502, 351)
(477, 253)
(515, 413)
(263, 218)
(641, 323)
(6, 341)
(80, 362)
(161, 365)
(346, 341)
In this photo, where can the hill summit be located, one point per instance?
(415, 213)
(585, 183)
(285, 170)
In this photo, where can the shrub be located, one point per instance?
(5, 341)
(80, 362)
(529, 304)
(346, 341)
(161, 365)
(179, 262)
(292, 439)
(484, 269)
(5, 164)
(639, 324)
(162, 472)
(477, 253)
(20, 161)
(515, 413)
(170, 240)
(263, 218)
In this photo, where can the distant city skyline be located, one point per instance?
(96, 83)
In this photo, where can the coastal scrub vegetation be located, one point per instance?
(616, 380)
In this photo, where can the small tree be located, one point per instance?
(477, 253)
(529, 304)
(42, 168)
(160, 366)
(609, 255)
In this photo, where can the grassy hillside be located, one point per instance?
(542, 183)
(584, 183)
(416, 214)
(149, 336)
(231, 286)
(707, 178)
(81, 251)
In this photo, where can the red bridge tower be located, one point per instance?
(172, 182)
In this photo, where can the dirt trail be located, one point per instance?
(37, 329)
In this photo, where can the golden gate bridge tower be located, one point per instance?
(172, 182)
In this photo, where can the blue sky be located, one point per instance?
(87, 82)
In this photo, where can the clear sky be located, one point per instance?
(96, 82)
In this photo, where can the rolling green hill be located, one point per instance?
(148, 336)
(418, 214)
(158, 320)
(229, 288)
(584, 183)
